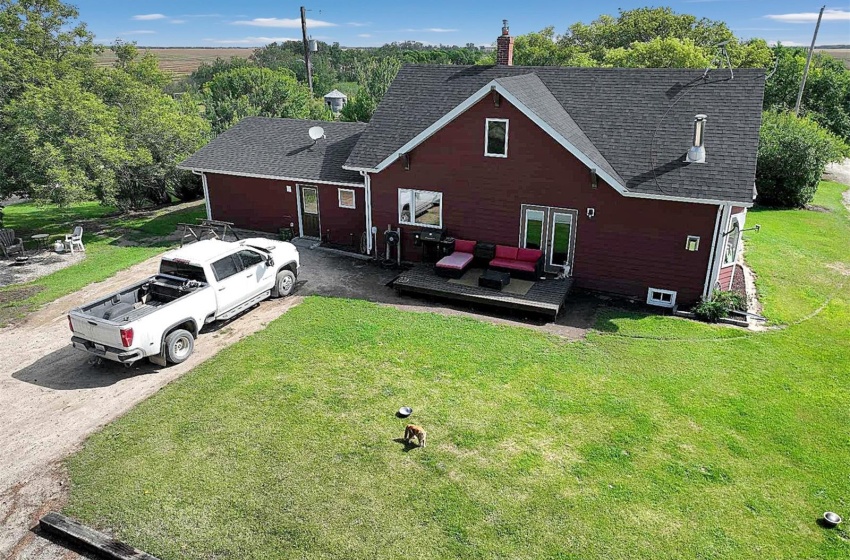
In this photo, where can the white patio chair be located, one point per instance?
(75, 240)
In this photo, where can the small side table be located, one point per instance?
(40, 240)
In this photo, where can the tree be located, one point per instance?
(260, 92)
(826, 98)
(792, 155)
(374, 78)
(642, 26)
(542, 48)
(668, 52)
(40, 40)
(61, 143)
(208, 70)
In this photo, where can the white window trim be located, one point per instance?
(734, 219)
(413, 221)
(487, 137)
(353, 198)
(688, 243)
(658, 302)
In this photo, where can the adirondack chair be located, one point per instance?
(11, 244)
(75, 239)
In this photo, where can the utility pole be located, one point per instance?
(307, 47)
(808, 61)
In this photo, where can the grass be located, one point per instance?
(694, 446)
(106, 237)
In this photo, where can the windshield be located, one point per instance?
(183, 270)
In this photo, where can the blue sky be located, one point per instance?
(248, 23)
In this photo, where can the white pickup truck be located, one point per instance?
(159, 318)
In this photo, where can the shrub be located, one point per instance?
(793, 153)
(719, 305)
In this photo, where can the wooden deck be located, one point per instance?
(546, 297)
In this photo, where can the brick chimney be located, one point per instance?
(505, 46)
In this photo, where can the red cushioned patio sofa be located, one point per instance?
(525, 263)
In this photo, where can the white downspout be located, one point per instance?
(367, 181)
(705, 288)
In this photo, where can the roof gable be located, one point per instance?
(634, 125)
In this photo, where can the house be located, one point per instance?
(632, 181)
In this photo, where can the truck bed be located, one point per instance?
(141, 299)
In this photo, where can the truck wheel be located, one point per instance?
(179, 345)
(283, 284)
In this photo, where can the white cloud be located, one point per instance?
(431, 30)
(138, 32)
(811, 17)
(364, 35)
(259, 41)
(357, 24)
(287, 23)
(149, 17)
(177, 21)
(199, 15)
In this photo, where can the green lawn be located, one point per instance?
(695, 442)
(106, 250)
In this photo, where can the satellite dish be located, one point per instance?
(316, 132)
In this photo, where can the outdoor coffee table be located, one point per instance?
(494, 279)
(40, 240)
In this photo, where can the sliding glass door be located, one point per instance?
(552, 230)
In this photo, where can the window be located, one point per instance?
(496, 138)
(661, 298)
(346, 198)
(183, 270)
(692, 243)
(226, 267)
(420, 208)
(730, 253)
(249, 258)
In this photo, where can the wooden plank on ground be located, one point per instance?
(77, 533)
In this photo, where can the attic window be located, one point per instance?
(496, 138)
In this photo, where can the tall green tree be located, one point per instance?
(374, 78)
(40, 40)
(826, 98)
(258, 92)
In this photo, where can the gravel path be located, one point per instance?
(40, 264)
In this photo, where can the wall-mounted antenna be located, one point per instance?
(717, 59)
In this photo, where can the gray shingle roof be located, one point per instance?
(638, 121)
(281, 148)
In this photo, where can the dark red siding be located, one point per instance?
(259, 204)
(725, 276)
(264, 204)
(630, 245)
(342, 226)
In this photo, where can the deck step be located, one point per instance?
(77, 533)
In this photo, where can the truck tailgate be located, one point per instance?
(96, 330)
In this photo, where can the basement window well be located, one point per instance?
(496, 138)
(661, 298)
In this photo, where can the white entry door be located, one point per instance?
(552, 230)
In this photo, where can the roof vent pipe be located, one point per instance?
(696, 153)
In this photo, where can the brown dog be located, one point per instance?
(414, 431)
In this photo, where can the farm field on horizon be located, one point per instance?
(841, 54)
(181, 61)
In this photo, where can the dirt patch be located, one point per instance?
(19, 294)
(816, 208)
(840, 268)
